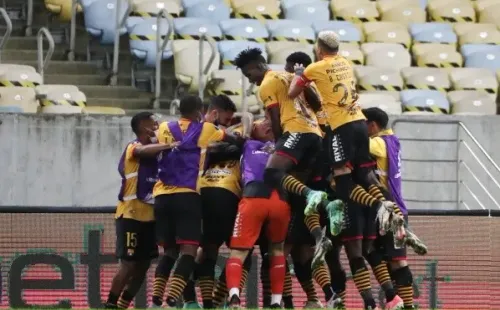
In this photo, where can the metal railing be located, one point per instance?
(72, 31)
(29, 18)
(8, 32)
(203, 71)
(44, 63)
(116, 47)
(459, 163)
(161, 44)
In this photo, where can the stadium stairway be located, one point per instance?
(91, 77)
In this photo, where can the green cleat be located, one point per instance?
(313, 199)
(335, 211)
(191, 305)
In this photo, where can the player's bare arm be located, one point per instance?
(274, 116)
(298, 83)
(151, 150)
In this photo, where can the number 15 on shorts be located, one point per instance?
(131, 243)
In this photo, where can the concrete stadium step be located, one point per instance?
(118, 92)
(30, 43)
(11, 56)
(66, 67)
(124, 103)
(84, 79)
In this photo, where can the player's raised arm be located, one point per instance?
(299, 82)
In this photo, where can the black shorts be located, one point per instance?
(178, 219)
(135, 240)
(385, 244)
(220, 207)
(359, 223)
(302, 148)
(349, 144)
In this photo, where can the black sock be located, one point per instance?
(112, 299)
(179, 279)
(189, 293)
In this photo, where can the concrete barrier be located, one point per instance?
(72, 160)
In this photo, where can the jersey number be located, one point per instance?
(346, 90)
(131, 240)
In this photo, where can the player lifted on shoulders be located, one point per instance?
(135, 226)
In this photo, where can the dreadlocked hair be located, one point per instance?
(247, 56)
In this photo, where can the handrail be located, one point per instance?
(204, 71)
(471, 136)
(116, 46)
(8, 32)
(480, 183)
(29, 18)
(43, 64)
(160, 47)
(72, 31)
(480, 163)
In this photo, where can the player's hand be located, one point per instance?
(299, 69)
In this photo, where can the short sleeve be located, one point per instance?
(309, 74)
(268, 94)
(377, 147)
(210, 133)
(129, 154)
(161, 135)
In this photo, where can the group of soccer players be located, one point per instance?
(212, 177)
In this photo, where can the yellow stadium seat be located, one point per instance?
(477, 33)
(186, 62)
(150, 8)
(22, 97)
(382, 101)
(371, 78)
(451, 11)
(358, 11)
(258, 9)
(388, 55)
(475, 79)
(278, 51)
(61, 8)
(487, 11)
(352, 52)
(426, 78)
(227, 82)
(19, 75)
(61, 109)
(103, 110)
(253, 103)
(61, 95)
(387, 32)
(471, 102)
(405, 12)
(436, 55)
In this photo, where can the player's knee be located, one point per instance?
(247, 263)
(403, 276)
(357, 263)
(240, 254)
(373, 258)
(277, 249)
(273, 176)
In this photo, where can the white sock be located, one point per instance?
(234, 291)
(276, 299)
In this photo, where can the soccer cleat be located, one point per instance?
(155, 306)
(415, 243)
(191, 305)
(313, 199)
(109, 305)
(171, 302)
(320, 250)
(234, 302)
(395, 304)
(311, 304)
(335, 303)
(335, 211)
(275, 306)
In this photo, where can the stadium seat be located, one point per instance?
(436, 55)
(347, 31)
(487, 11)
(61, 9)
(150, 8)
(426, 78)
(387, 32)
(393, 94)
(404, 12)
(382, 101)
(474, 79)
(291, 30)
(215, 10)
(62, 95)
(226, 82)
(142, 35)
(358, 11)
(61, 109)
(189, 3)
(433, 33)
(11, 109)
(43, 90)
(191, 28)
(103, 110)
(390, 55)
(186, 62)
(252, 101)
(230, 49)
(23, 98)
(276, 67)
(100, 19)
(307, 11)
(244, 29)
(258, 9)
(468, 49)
(19, 75)
(370, 78)
(279, 51)
(414, 100)
(471, 102)
(477, 33)
(352, 52)
(487, 57)
(451, 11)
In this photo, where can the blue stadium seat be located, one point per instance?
(285, 4)
(487, 57)
(414, 100)
(244, 29)
(142, 34)
(433, 33)
(347, 31)
(230, 49)
(307, 11)
(11, 109)
(100, 17)
(291, 30)
(215, 10)
(469, 49)
(191, 28)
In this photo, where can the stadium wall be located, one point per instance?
(72, 160)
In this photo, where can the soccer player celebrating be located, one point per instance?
(135, 227)
(178, 205)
